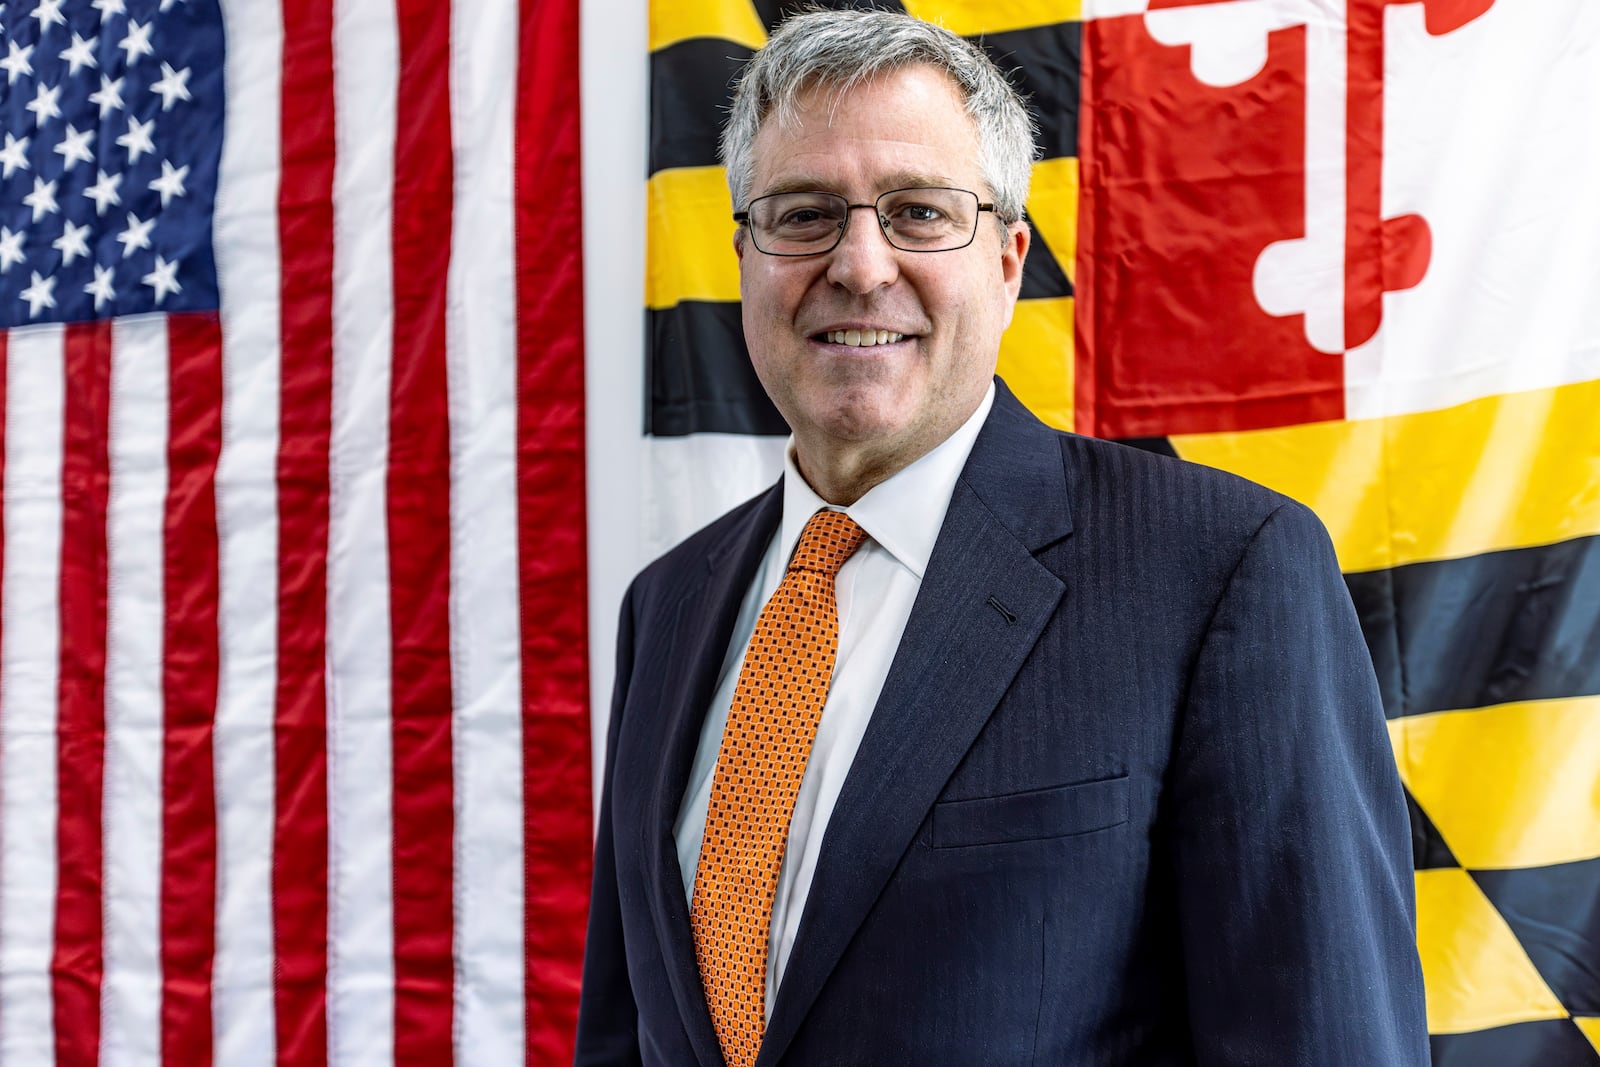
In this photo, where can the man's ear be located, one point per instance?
(738, 242)
(1013, 253)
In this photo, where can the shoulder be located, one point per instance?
(1117, 478)
(1183, 516)
(1154, 521)
(1207, 513)
(723, 541)
(1115, 489)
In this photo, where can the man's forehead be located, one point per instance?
(825, 96)
(779, 147)
(805, 182)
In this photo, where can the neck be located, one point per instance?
(841, 471)
(842, 475)
(839, 487)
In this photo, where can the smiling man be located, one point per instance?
(971, 742)
(899, 146)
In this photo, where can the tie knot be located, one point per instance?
(827, 541)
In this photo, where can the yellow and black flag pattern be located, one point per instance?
(1349, 250)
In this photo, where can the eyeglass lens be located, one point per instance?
(915, 220)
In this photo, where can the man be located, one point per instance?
(971, 742)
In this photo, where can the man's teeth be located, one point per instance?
(863, 338)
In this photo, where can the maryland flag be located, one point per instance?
(1346, 248)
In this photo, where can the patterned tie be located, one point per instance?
(776, 704)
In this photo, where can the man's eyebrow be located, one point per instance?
(904, 179)
(915, 179)
(795, 185)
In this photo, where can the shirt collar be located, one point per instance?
(904, 512)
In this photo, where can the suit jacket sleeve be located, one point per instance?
(608, 1018)
(1289, 832)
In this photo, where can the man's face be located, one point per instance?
(888, 403)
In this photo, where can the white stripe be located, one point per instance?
(485, 651)
(360, 767)
(246, 242)
(614, 66)
(131, 997)
(29, 672)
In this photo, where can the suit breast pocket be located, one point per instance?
(1034, 815)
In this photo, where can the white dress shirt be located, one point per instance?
(875, 590)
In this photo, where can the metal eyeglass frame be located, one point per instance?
(884, 226)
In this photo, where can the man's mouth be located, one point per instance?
(860, 338)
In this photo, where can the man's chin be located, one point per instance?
(862, 416)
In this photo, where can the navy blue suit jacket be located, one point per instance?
(1127, 796)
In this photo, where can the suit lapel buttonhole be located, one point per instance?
(1005, 612)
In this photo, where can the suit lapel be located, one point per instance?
(983, 603)
(702, 624)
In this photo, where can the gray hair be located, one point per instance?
(842, 49)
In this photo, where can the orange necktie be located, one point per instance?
(776, 705)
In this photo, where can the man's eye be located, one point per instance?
(801, 217)
(920, 213)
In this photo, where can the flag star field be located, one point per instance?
(112, 118)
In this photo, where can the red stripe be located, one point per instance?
(300, 826)
(1086, 372)
(419, 544)
(78, 964)
(552, 561)
(1381, 255)
(1363, 250)
(5, 338)
(189, 688)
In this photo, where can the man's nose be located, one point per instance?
(863, 260)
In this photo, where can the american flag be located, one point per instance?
(294, 757)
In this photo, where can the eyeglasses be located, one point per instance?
(912, 220)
